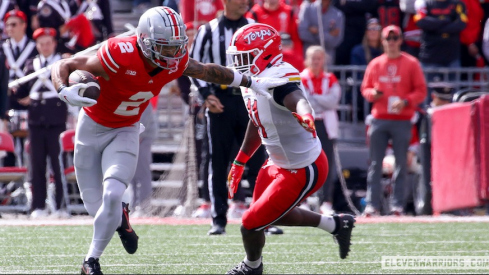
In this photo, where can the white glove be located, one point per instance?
(70, 95)
(261, 85)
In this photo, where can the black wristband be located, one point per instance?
(249, 81)
(61, 87)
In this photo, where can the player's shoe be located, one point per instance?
(243, 269)
(216, 230)
(273, 230)
(128, 236)
(91, 266)
(343, 234)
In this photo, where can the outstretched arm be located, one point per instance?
(214, 73)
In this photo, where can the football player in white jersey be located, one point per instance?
(283, 121)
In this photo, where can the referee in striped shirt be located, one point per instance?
(226, 114)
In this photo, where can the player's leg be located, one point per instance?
(88, 169)
(87, 161)
(277, 192)
(119, 161)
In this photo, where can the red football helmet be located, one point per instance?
(254, 47)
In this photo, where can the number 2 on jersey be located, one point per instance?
(131, 108)
(255, 118)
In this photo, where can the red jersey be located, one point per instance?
(201, 11)
(126, 94)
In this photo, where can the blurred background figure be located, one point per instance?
(17, 49)
(362, 54)
(441, 23)
(324, 94)
(47, 120)
(320, 23)
(395, 84)
(282, 18)
(355, 13)
(442, 93)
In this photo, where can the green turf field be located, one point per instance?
(186, 249)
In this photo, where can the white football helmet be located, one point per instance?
(161, 37)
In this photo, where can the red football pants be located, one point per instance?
(279, 190)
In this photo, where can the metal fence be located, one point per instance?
(353, 109)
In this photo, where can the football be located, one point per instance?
(79, 76)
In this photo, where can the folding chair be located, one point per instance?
(12, 193)
(72, 196)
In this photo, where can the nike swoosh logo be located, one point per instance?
(129, 230)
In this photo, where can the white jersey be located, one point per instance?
(288, 144)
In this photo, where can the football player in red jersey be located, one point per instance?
(297, 166)
(130, 71)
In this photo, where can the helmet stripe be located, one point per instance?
(174, 21)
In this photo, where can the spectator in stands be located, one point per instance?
(395, 84)
(412, 33)
(47, 120)
(326, 30)
(206, 10)
(98, 12)
(441, 95)
(470, 36)
(362, 54)
(79, 30)
(441, 23)
(141, 183)
(17, 49)
(371, 45)
(355, 13)
(54, 14)
(282, 18)
(389, 13)
(291, 55)
(5, 6)
(324, 94)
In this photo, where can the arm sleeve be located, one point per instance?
(419, 92)
(367, 83)
(279, 93)
(334, 41)
(304, 24)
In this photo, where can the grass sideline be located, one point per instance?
(186, 249)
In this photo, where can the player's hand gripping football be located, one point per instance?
(71, 96)
(307, 122)
(234, 177)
